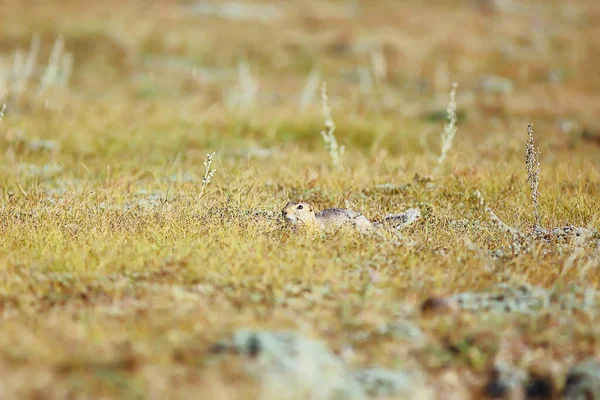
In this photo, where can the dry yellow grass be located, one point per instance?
(116, 276)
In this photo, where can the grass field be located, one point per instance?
(121, 269)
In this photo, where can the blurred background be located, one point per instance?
(513, 61)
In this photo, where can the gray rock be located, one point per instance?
(381, 382)
(583, 381)
(289, 366)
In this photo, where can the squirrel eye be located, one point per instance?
(300, 207)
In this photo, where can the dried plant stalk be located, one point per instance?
(533, 173)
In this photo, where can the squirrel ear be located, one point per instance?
(310, 208)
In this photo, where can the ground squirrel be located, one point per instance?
(302, 213)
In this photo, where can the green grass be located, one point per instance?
(115, 276)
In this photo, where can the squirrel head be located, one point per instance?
(298, 213)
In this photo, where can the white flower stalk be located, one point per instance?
(310, 88)
(450, 128)
(533, 173)
(336, 152)
(379, 64)
(23, 73)
(59, 69)
(24, 68)
(209, 173)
